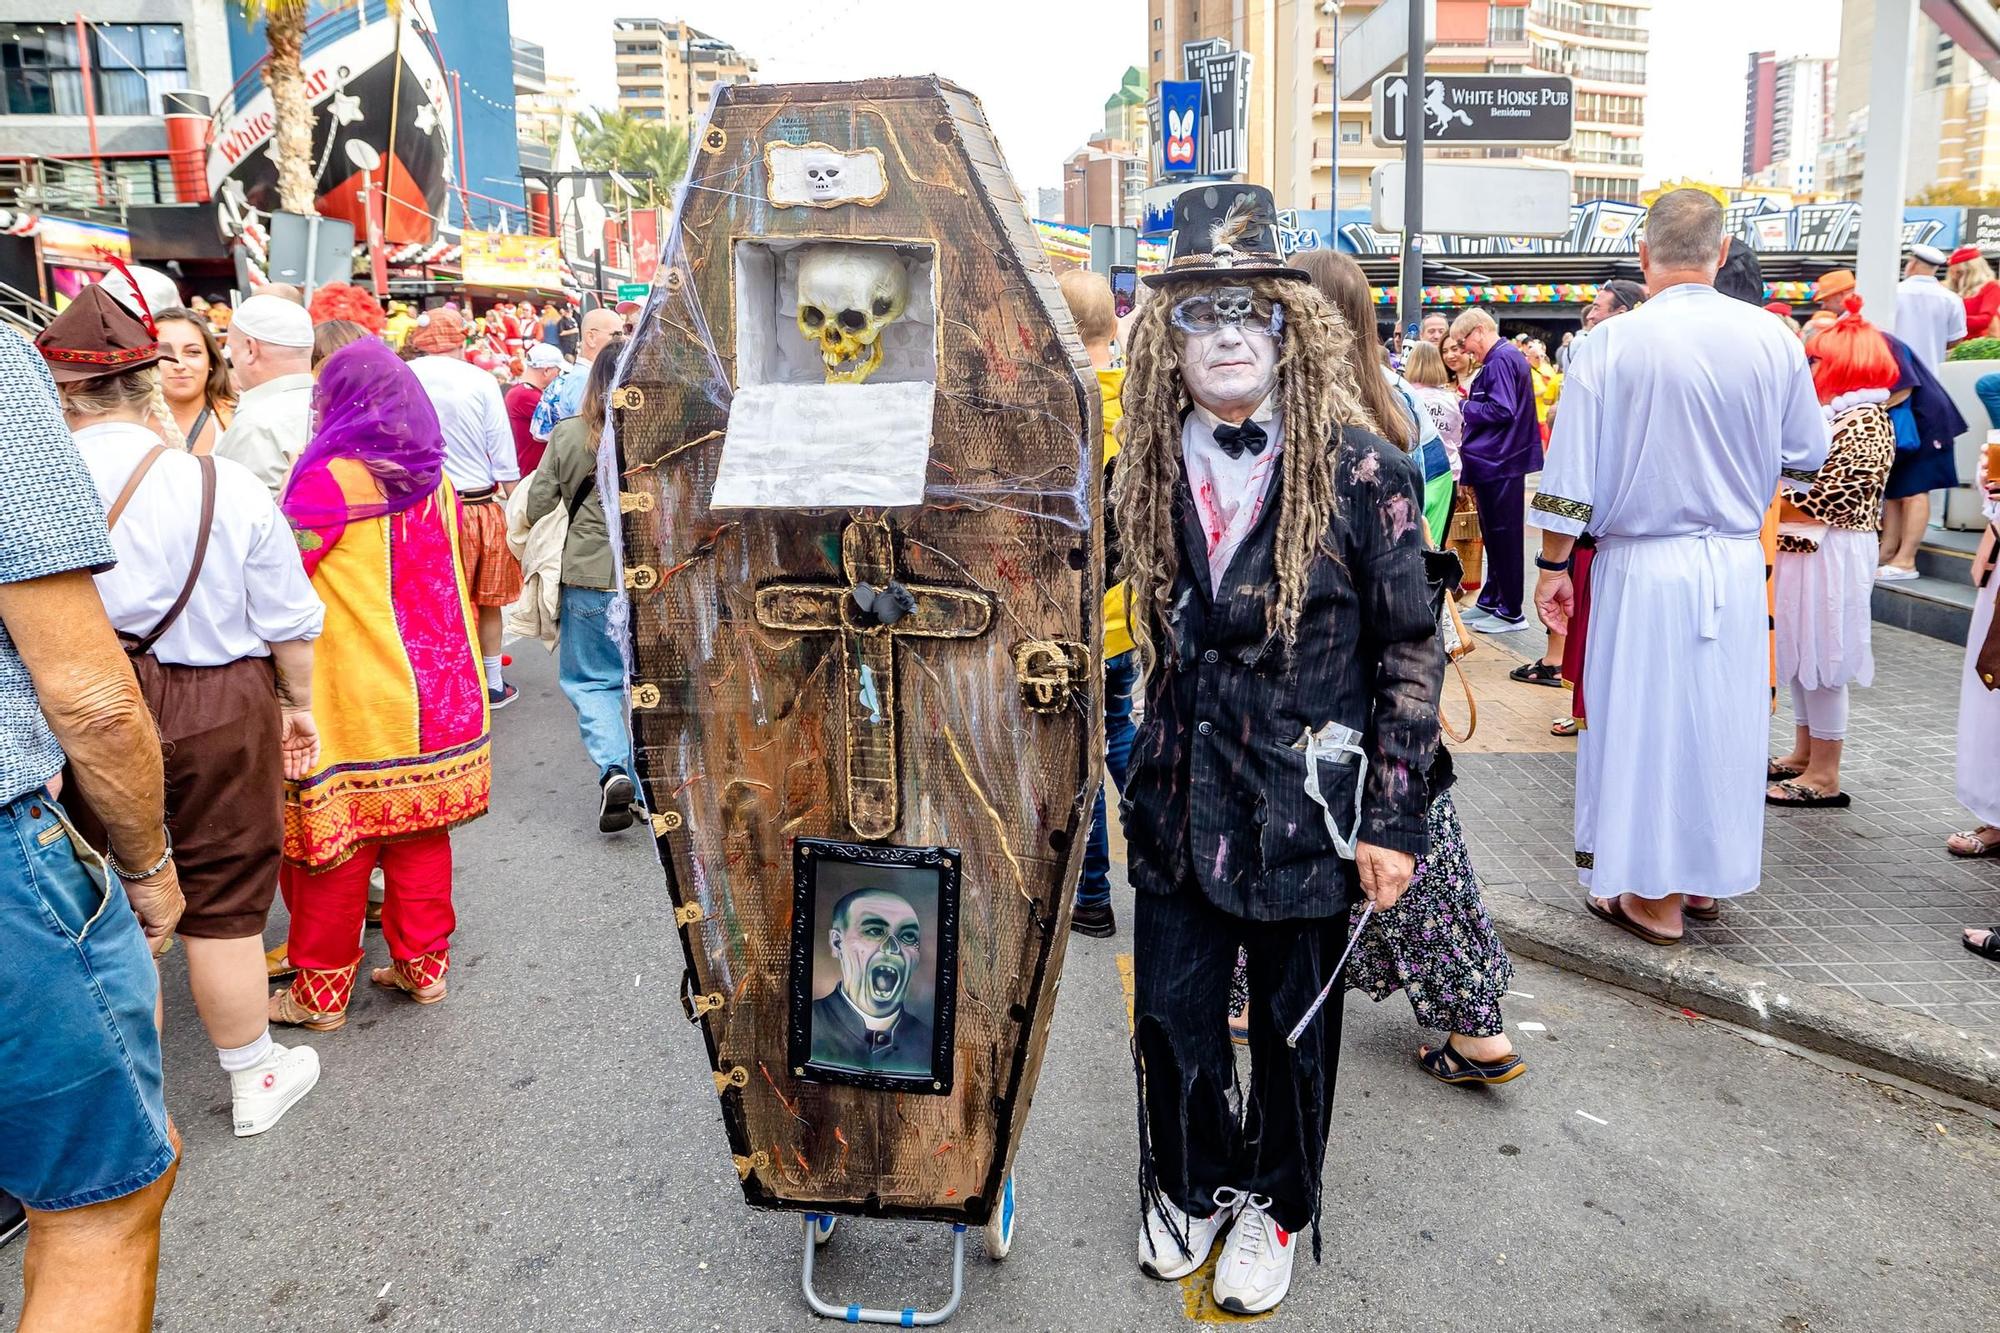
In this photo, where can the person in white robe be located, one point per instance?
(1979, 725)
(1678, 423)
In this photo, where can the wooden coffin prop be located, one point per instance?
(858, 443)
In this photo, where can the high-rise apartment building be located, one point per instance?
(1954, 116)
(1787, 114)
(669, 71)
(1316, 152)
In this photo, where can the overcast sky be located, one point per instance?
(1044, 76)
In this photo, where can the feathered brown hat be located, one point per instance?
(1225, 231)
(96, 335)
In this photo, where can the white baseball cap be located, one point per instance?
(274, 320)
(544, 356)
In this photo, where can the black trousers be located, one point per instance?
(1503, 509)
(1191, 1141)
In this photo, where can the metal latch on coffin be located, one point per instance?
(695, 1003)
(1050, 671)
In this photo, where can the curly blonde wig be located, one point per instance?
(1315, 395)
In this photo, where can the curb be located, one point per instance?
(1819, 1018)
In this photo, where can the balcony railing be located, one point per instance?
(1578, 69)
(101, 191)
(1546, 16)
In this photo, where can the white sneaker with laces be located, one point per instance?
(268, 1089)
(1255, 1270)
(1160, 1254)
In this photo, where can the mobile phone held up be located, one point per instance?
(1124, 288)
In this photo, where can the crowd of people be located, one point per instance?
(255, 601)
(1721, 485)
(251, 604)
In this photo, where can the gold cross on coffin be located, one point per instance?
(868, 657)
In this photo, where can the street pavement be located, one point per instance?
(1865, 899)
(542, 1151)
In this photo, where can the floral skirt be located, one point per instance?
(1436, 945)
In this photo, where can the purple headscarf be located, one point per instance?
(367, 405)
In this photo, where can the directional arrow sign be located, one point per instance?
(1473, 109)
(1378, 44)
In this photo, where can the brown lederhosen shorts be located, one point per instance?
(219, 729)
(492, 574)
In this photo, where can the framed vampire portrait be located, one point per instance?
(874, 964)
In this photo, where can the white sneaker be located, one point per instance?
(1893, 574)
(1160, 1253)
(1255, 1270)
(264, 1092)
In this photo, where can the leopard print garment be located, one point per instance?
(1848, 491)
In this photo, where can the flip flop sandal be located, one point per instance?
(1537, 673)
(1457, 1068)
(1615, 914)
(1239, 1033)
(1775, 773)
(1985, 848)
(1712, 912)
(1801, 797)
(1564, 726)
(1988, 948)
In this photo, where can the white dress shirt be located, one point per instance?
(253, 588)
(269, 431)
(1228, 492)
(478, 441)
(1929, 318)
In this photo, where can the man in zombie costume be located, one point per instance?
(1274, 552)
(863, 1023)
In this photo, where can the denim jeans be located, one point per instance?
(591, 670)
(83, 1118)
(1121, 674)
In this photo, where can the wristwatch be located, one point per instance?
(1553, 566)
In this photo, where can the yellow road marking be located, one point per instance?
(1197, 1288)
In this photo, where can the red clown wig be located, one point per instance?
(1851, 355)
(344, 300)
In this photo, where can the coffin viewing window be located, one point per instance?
(836, 370)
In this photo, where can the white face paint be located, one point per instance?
(1229, 372)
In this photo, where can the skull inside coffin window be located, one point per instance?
(836, 369)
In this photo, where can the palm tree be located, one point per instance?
(284, 74)
(632, 145)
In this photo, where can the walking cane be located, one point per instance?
(1353, 938)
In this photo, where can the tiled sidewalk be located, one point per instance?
(1866, 898)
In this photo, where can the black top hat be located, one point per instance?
(1224, 230)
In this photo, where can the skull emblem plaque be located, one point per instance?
(858, 454)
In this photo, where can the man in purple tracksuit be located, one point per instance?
(1502, 445)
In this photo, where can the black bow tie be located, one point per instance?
(1235, 439)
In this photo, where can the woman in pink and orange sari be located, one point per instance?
(398, 697)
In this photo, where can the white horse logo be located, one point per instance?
(1440, 114)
